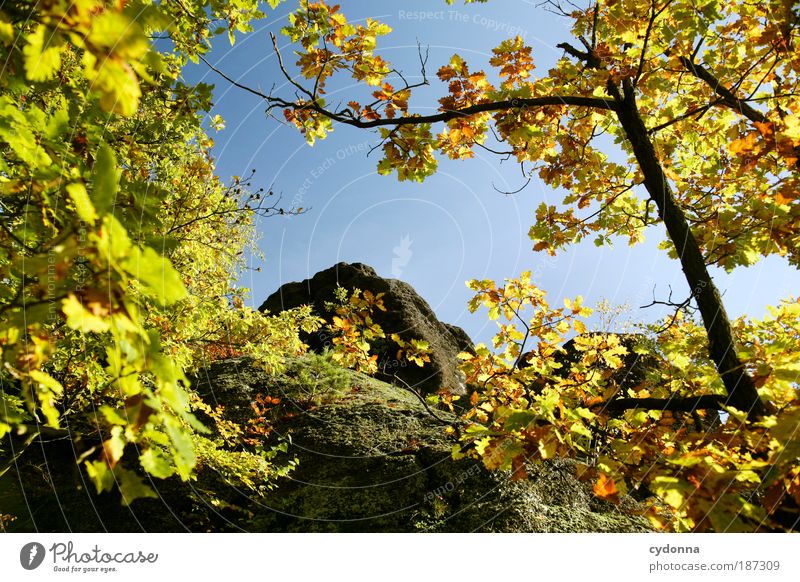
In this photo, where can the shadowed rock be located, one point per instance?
(371, 459)
(407, 314)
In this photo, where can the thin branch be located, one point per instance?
(728, 97)
(512, 192)
(587, 57)
(654, 15)
(682, 306)
(448, 115)
(235, 83)
(283, 68)
(511, 104)
(691, 113)
(407, 386)
(690, 404)
(507, 153)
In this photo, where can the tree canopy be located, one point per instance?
(701, 99)
(119, 245)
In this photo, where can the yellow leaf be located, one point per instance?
(83, 204)
(80, 318)
(47, 381)
(744, 145)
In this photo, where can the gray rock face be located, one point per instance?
(372, 459)
(407, 314)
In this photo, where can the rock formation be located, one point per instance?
(372, 456)
(371, 459)
(407, 314)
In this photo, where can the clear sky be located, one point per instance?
(453, 227)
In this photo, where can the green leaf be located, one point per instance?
(12, 412)
(118, 34)
(519, 420)
(113, 416)
(131, 486)
(183, 447)
(118, 86)
(15, 129)
(58, 124)
(105, 181)
(161, 281)
(81, 319)
(580, 429)
(42, 54)
(101, 475)
(83, 204)
(47, 381)
(47, 389)
(154, 462)
(113, 243)
(6, 30)
(671, 489)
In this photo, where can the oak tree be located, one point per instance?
(700, 100)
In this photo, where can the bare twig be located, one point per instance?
(408, 387)
(690, 404)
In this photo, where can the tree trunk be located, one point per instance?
(741, 389)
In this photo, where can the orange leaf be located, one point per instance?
(518, 472)
(744, 145)
(595, 401)
(672, 175)
(605, 488)
(765, 129)
(786, 195)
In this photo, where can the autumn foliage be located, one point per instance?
(119, 245)
(701, 104)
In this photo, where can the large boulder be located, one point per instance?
(407, 314)
(372, 458)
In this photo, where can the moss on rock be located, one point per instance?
(371, 459)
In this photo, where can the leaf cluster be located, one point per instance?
(119, 245)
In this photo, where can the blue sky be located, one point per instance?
(455, 226)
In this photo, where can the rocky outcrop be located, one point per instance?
(371, 459)
(407, 314)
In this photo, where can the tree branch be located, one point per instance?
(516, 103)
(672, 404)
(587, 57)
(728, 97)
(741, 389)
(488, 107)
